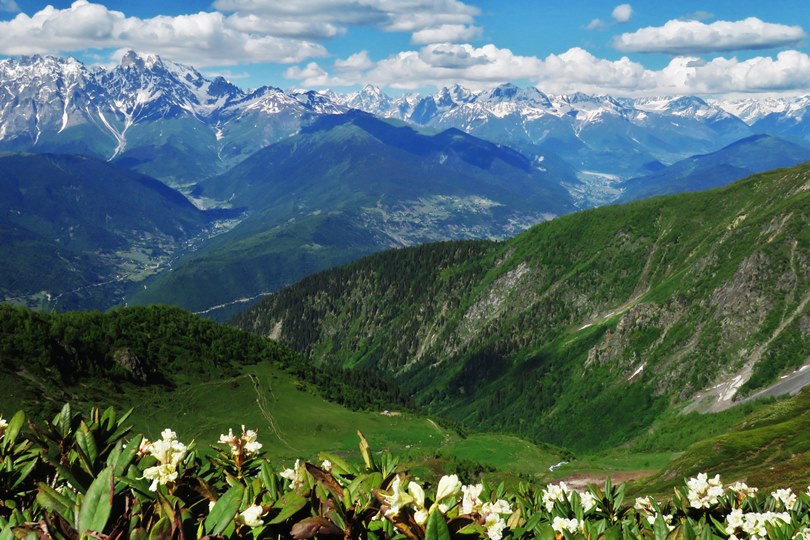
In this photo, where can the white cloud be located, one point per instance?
(355, 62)
(578, 70)
(445, 33)
(596, 24)
(695, 37)
(227, 75)
(203, 39)
(325, 18)
(574, 70)
(622, 13)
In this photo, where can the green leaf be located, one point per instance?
(24, 472)
(127, 455)
(436, 527)
(53, 501)
(97, 503)
(660, 529)
(13, 429)
(546, 533)
(87, 443)
(224, 510)
(676, 533)
(614, 532)
(290, 504)
(162, 529)
(62, 420)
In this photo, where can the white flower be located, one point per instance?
(326, 465)
(294, 475)
(494, 525)
(449, 486)
(398, 498)
(643, 504)
(554, 493)
(754, 524)
(786, 497)
(251, 445)
(252, 516)
(735, 519)
(560, 524)
(169, 452)
(421, 516)
(3, 425)
(160, 474)
(493, 517)
(247, 442)
(704, 491)
(417, 493)
(588, 501)
(470, 500)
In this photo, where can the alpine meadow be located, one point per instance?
(404, 270)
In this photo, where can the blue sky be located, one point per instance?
(635, 48)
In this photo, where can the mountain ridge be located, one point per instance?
(167, 120)
(635, 307)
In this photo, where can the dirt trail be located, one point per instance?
(580, 481)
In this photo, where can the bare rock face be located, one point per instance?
(131, 363)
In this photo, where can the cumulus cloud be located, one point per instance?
(203, 39)
(622, 13)
(310, 18)
(574, 70)
(445, 33)
(695, 37)
(356, 62)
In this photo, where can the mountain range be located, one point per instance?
(306, 180)
(169, 121)
(349, 185)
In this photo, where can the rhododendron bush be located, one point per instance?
(91, 477)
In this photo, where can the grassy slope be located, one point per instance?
(204, 378)
(542, 334)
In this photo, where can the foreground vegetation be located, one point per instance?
(91, 477)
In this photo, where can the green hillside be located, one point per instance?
(608, 317)
(78, 231)
(738, 160)
(350, 185)
(200, 378)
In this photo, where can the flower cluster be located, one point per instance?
(786, 497)
(296, 475)
(3, 425)
(561, 524)
(704, 491)
(490, 515)
(561, 492)
(169, 452)
(753, 524)
(246, 445)
(554, 493)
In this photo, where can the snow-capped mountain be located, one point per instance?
(170, 121)
(157, 116)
